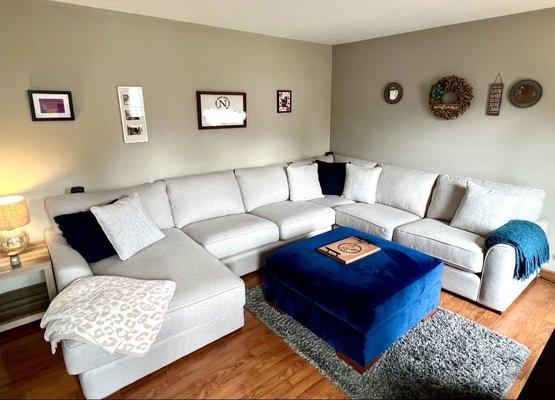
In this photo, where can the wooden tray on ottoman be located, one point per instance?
(349, 249)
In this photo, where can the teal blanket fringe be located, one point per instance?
(529, 241)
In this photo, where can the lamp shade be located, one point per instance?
(13, 212)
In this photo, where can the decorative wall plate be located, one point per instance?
(393, 93)
(525, 93)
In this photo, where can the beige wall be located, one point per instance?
(516, 147)
(55, 46)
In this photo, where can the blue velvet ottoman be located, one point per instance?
(362, 308)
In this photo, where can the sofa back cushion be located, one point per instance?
(196, 198)
(308, 161)
(355, 161)
(406, 189)
(262, 186)
(450, 190)
(153, 197)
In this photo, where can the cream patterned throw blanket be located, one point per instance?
(119, 314)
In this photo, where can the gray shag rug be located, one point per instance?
(444, 357)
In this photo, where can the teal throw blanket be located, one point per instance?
(529, 241)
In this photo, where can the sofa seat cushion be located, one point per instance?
(297, 218)
(462, 249)
(205, 290)
(378, 219)
(331, 200)
(233, 234)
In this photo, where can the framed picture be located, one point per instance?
(50, 105)
(284, 101)
(218, 110)
(133, 116)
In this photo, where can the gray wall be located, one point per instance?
(517, 147)
(55, 46)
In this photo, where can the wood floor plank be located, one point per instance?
(253, 363)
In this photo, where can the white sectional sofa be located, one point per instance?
(221, 225)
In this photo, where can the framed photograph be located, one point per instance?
(217, 110)
(133, 116)
(50, 105)
(284, 101)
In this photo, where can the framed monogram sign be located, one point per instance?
(217, 110)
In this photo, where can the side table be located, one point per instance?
(27, 304)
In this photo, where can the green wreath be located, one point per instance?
(450, 84)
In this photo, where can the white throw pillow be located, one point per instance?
(482, 210)
(303, 182)
(361, 183)
(127, 226)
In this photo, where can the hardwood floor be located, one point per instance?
(254, 362)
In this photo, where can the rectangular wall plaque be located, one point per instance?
(494, 99)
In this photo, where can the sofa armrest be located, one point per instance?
(544, 224)
(498, 288)
(67, 263)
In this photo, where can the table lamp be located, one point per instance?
(13, 216)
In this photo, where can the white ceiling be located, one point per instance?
(322, 21)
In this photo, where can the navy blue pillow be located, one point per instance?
(332, 177)
(84, 234)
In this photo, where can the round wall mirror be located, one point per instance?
(393, 93)
(525, 93)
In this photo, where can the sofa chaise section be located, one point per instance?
(207, 304)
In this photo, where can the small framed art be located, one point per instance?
(284, 101)
(218, 110)
(50, 105)
(133, 116)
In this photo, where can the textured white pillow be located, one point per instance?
(483, 210)
(303, 182)
(127, 226)
(361, 183)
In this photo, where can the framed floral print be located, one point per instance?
(284, 99)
